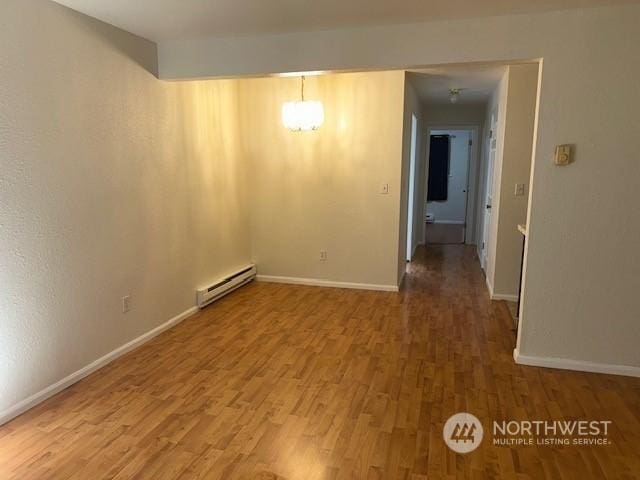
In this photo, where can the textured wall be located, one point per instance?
(111, 183)
(318, 190)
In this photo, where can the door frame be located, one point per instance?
(473, 173)
(412, 190)
(488, 173)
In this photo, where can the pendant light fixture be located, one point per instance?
(302, 115)
(454, 94)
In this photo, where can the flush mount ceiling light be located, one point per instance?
(454, 94)
(302, 115)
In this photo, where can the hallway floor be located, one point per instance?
(282, 381)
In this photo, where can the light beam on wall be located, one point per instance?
(302, 115)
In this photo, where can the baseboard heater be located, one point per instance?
(220, 288)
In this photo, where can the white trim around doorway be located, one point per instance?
(473, 175)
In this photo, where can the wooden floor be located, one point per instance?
(281, 381)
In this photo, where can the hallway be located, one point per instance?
(282, 381)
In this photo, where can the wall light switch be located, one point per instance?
(563, 155)
(126, 303)
(520, 189)
(384, 188)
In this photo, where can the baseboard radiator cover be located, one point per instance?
(223, 286)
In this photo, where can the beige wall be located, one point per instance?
(515, 102)
(455, 115)
(513, 165)
(319, 190)
(111, 183)
(589, 98)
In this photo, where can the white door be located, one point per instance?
(412, 186)
(456, 205)
(486, 222)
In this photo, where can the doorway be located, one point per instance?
(412, 187)
(447, 202)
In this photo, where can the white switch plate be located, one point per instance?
(384, 188)
(126, 303)
(520, 189)
(323, 255)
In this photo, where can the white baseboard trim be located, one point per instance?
(499, 296)
(326, 283)
(504, 296)
(78, 375)
(577, 365)
(489, 286)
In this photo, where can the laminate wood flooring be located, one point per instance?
(281, 381)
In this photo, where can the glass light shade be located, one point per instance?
(302, 115)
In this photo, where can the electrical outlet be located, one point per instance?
(126, 303)
(384, 188)
(323, 255)
(519, 189)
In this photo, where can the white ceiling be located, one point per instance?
(159, 20)
(477, 82)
